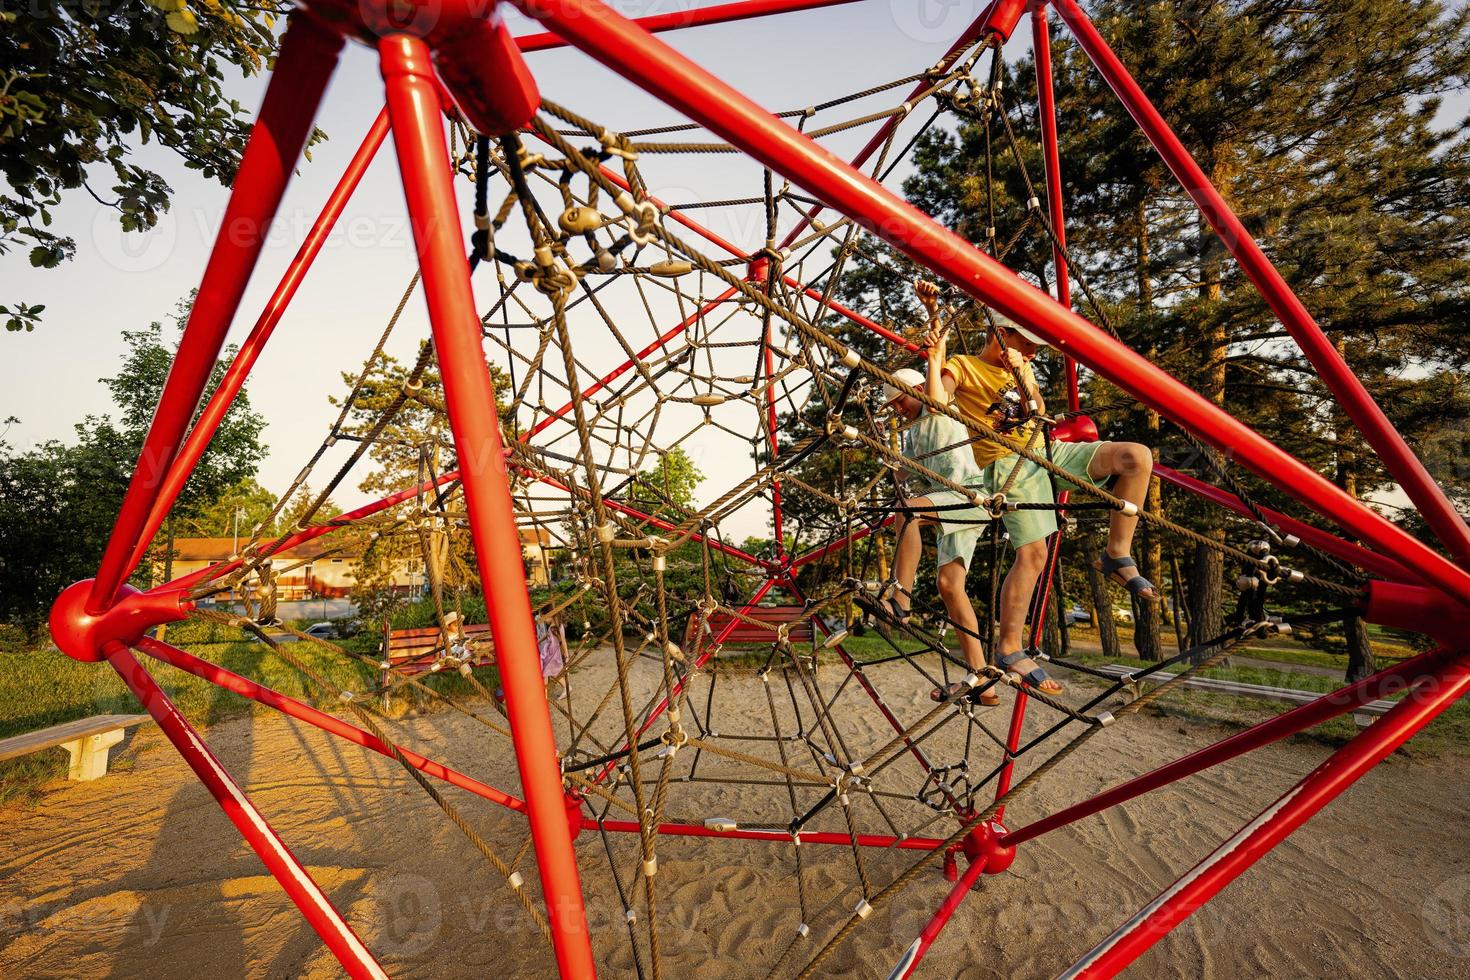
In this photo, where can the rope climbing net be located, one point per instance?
(685, 707)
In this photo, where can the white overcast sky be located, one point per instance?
(49, 378)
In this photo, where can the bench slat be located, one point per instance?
(1243, 689)
(71, 731)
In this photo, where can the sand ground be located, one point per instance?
(140, 873)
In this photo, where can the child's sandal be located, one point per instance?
(1036, 677)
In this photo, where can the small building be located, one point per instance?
(312, 569)
(320, 569)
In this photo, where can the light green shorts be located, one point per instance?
(959, 529)
(1033, 485)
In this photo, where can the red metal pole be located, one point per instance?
(307, 57)
(247, 688)
(1051, 156)
(722, 13)
(1276, 822)
(1371, 561)
(1390, 680)
(616, 42)
(234, 377)
(469, 395)
(622, 369)
(1397, 457)
(278, 859)
(951, 904)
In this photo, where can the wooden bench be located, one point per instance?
(421, 651)
(743, 633)
(1363, 714)
(86, 739)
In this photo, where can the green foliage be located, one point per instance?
(85, 83)
(58, 501)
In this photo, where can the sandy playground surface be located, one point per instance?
(140, 873)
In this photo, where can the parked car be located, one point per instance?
(1123, 614)
(1079, 615)
(322, 631)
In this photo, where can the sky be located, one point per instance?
(120, 281)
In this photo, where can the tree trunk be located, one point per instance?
(1147, 625)
(1359, 647)
(1207, 575)
(1361, 661)
(1102, 613)
(1206, 617)
(1180, 594)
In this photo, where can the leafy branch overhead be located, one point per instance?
(86, 84)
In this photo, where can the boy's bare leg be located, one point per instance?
(961, 613)
(1133, 465)
(909, 549)
(1015, 595)
(1015, 600)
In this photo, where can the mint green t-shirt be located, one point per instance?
(941, 444)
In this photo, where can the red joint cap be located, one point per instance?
(573, 803)
(82, 635)
(759, 269)
(1417, 609)
(1076, 428)
(983, 844)
(1004, 16)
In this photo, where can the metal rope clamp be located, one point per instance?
(996, 506)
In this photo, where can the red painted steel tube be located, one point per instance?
(246, 688)
(951, 904)
(855, 317)
(976, 29)
(307, 56)
(1380, 433)
(1371, 561)
(1052, 161)
(1391, 680)
(278, 859)
(234, 377)
(1276, 822)
(469, 396)
(701, 96)
(773, 836)
(723, 13)
(623, 368)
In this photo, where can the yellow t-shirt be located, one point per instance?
(987, 394)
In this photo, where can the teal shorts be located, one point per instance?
(959, 528)
(1033, 486)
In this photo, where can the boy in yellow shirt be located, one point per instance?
(985, 389)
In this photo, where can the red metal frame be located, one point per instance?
(278, 859)
(102, 618)
(1395, 453)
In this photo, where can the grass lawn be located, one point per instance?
(43, 687)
